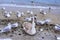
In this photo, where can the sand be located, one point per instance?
(20, 35)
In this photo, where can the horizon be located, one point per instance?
(28, 2)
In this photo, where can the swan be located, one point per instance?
(29, 28)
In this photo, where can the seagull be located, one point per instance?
(42, 22)
(18, 14)
(22, 14)
(9, 27)
(10, 12)
(28, 19)
(47, 21)
(42, 12)
(57, 27)
(3, 8)
(15, 24)
(31, 13)
(28, 12)
(7, 14)
(6, 29)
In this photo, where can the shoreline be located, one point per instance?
(28, 6)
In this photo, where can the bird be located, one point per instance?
(7, 14)
(57, 27)
(28, 19)
(42, 22)
(29, 12)
(42, 12)
(18, 14)
(6, 29)
(22, 14)
(47, 20)
(10, 12)
(29, 28)
(3, 8)
(15, 24)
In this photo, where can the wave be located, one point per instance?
(29, 6)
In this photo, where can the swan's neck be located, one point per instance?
(33, 30)
(33, 23)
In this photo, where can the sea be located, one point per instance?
(29, 2)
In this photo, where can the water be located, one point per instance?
(56, 2)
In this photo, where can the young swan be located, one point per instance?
(29, 28)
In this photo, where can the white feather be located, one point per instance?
(6, 29)
(15, 25)
(18, 14)
(27, 19)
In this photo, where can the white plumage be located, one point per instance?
(42, 12)
(7, 14)
(18, 14)
(22, 14)
(29, 27)
(28, 19)
(9, 27)
(46, 21)
(28, 12)
(15, 24)
(6, 29)
(40, 22)
(3, 8)
(33, 30)
(57, 27)
(31, 13)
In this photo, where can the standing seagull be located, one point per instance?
(18, 14)
(3, 8)
(22, 14)
(42, 12)
(7, 14)
(30, 12)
